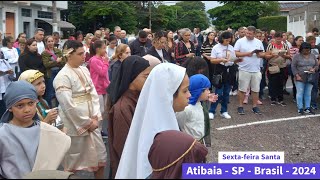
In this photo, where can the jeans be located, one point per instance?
(303, 93)
(294, 89)
(50, 92)
(314, 92)
(223, 94)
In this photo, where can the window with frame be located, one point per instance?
(26, 12)
(44, 14)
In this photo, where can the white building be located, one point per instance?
(304, 19)
(26, 16)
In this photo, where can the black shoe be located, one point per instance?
(273, 103)
(300, 112)
(256, 110)
(309, 111)
(285, 92)
(240, 110)
(282, 103)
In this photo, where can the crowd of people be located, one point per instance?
(157, 92)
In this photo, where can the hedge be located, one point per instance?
(277, 23)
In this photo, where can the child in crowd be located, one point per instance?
(45, 114)
(26, 143)
(99, 65)
(191, 120)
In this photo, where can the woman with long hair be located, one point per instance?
(53, 62)
(30, 58)
(158, 47)
(206, 49)
(20, 37)
(122, 52)
(170, 45)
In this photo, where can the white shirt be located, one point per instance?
(4, 78)
(161, 55)
(191, 120)
(249, 64)
(221, 51)
(110, 52)
(12, 57)
(41, 47)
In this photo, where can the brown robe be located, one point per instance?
(119, 121)
(167, 154)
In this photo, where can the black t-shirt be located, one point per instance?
(140, 49)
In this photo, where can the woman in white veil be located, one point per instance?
(164, 93)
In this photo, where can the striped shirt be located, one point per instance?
(281, 62)
(207, 48)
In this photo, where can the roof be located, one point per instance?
(61, 24)
(287, 6)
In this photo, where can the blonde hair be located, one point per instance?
(121, 48)
(88, 35)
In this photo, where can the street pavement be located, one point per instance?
(277, 129)
(280, 129)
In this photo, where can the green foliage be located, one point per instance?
(277, 23)
(235, 14)
(192, 5)
(134, 15)
(76, 17)
(113, 13)
(176, 17)
(192, 14)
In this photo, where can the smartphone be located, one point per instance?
(257, 51)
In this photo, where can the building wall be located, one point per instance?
(60, 4)
(13, 9)
(302, 20)
(19, 19)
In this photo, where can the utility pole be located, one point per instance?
(54, 16)
(149, 4)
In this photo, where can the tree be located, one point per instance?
(74, 14)
(193, 15)
(278, 23)
(192, 5)
(235, 14)
(180, 16)
(110, 14)
(166, 18)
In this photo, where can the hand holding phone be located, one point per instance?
(257, 51)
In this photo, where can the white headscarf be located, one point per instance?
(154, 113)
